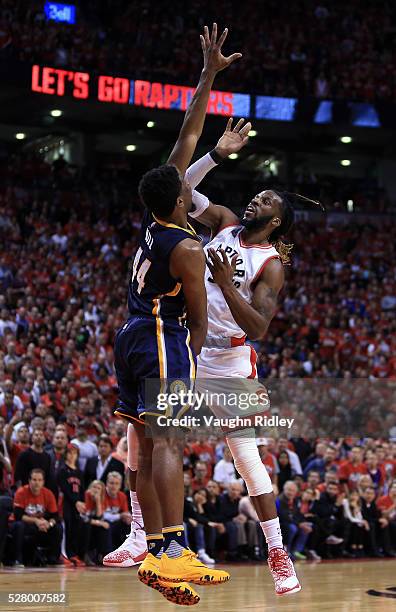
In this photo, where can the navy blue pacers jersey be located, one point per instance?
(152, 350)
(152, 289)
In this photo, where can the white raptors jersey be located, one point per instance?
(249, 265)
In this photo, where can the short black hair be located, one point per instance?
(36, 471)
(159, 189)
(106, 439)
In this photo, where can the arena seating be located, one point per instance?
(67, 237)
(339, 50)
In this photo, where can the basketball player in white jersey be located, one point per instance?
(243, 279)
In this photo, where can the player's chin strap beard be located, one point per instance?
(256, 224)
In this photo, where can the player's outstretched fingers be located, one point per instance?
(239, 125)
(245, 130)
(229, 125)
(222, 38)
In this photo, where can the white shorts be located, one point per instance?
(228, 378)
(236, 361)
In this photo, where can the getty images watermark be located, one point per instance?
(225, 406)
(324, 407)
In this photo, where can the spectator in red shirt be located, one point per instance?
(201, 477)
(268, 459)
(387, 503)
(116, 511)
(8, 407)
(22, 438)
(349, 472)
(313, 482)
(204, 452)
(36, 515)
(52, 398)
(330, 477)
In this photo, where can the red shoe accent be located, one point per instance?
(140, 557)
(283, 572)
(77, 562)
(67, 562)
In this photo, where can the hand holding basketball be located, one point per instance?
(214, 60)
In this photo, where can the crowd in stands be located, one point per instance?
(335, 498)
(66, 241)
(312, 47)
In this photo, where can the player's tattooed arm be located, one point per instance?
(191, 130)
(187, 265)
(256, 317)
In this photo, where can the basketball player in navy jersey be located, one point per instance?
(161, 339)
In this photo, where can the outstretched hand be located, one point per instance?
(214, 60)
(233, 140)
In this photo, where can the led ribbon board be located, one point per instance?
(275, 109)
(119, 90)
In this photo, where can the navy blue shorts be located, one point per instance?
(152, 356)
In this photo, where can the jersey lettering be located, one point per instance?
(248, 263)
(144, 268)
(139, 271)
(149, 239)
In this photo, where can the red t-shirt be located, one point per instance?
(385, 502)
(90, 503)
(270, 464)
(35, 505)
(117, 504)
(16, 449)
(388, 467)
(205, 452)
(351, 473)
(199, 485)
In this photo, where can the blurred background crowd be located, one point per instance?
(306, 48)
(67, 237)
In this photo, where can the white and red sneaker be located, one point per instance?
(131, 552)
(283, 572)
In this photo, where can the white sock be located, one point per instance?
(136, 510)
(272, 532)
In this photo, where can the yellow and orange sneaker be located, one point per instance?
(181, 593)
(188, 567)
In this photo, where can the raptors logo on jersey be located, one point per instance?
(251, 261)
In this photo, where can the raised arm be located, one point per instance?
(209, 214)
(187, 264)
(10, 430)
(194, 119)
(256, 317)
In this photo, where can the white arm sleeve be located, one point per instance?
(201, 203)
(197, 172)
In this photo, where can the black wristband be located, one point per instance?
(215, 156)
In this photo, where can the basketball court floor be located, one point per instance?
(352, 586)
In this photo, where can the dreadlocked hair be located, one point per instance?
(284, 249)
